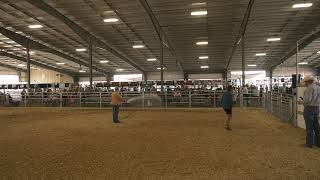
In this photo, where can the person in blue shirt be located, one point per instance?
(227, 102)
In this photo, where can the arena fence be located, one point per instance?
(280, 105)
(185, 99)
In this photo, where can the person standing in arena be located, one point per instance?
(116, 101)
(245, 92)
(227, 102)
(311, 102)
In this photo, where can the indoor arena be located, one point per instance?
(159, 90)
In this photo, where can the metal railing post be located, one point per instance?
(61, 99)
(280, 107)
(295, 111)
(166, 98)
(190, 103)
(42, 98)
(143, 98)
(214, 99)
(241, 100)
(271, 104)
(80, 100)
(278, 104)
(100, 99)
(25, 99)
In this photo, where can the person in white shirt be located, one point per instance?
(311, 102)
(246, 95)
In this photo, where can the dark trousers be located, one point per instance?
(311, 117)
(115, 113)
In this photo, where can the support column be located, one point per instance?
(109, 78)
(19, 75)
(145, 78)
(28, 66)
(76, 80)
(297, 67)
(90, 68)
(298, 80)
(226, 78)
(161, 63)
(186, 77)
(243, 62)
(271, 75)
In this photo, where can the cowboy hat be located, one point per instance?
(308, 78)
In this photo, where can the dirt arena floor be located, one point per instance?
(151, 145)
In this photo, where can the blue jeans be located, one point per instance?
(311, 117)
(115, 113)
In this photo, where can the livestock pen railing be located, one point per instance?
(280, 105)
(186, 99)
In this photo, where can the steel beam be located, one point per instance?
(242, 31)
(301, 45)
(160, 32)
(90, 67)
(34, 62)
(145, 77)
(271, 76)
(226, 78)
(161, 64)
(22, 40)
(211, 71)
(109, 78)
(12, 67)
(28, 65)
(81, 32)
(243, 61)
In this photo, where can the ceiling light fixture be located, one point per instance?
(151, 59)
(104, 62)
(110, 20)
(199, 4)
(261, 54)
(22, 65)
(60, 63)
(199, 13)
(138, 46)
(303, 63)
(82, 71)
(81, 50)
(252, 65)
(302, 5)
(201, 43)
(273, 39)
(35, 26)
(318, 52)
(119, 70)
(204, 67)
(204, 57)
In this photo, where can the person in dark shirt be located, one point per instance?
(227, 103)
